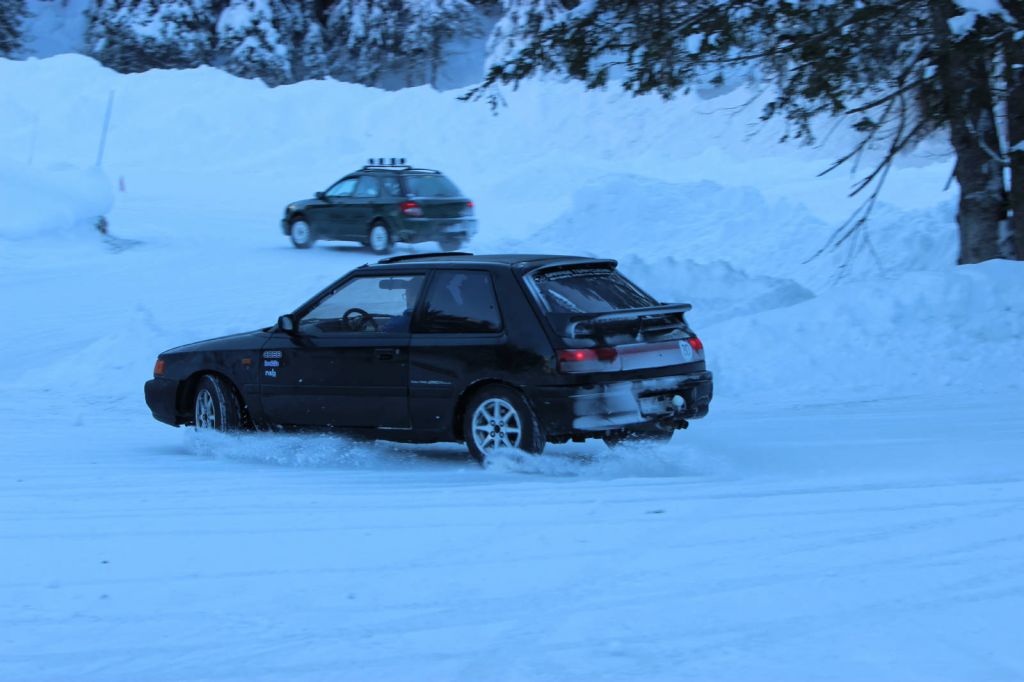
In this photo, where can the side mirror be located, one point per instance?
(286, 323)
(322, 196)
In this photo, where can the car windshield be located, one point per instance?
(430, 186)
(589, 290)
(366, 304)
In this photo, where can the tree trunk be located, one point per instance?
(963, 72)
(1015, 130)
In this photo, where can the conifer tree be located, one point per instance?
(1009, 31)
(898, 70)
(432, 25)
(12, 17)
(252, 41)
(400, 39)
(520, 21)
(135, 35)
(311, 51)
(365, 38)
(279, 41)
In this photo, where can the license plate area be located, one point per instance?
(658, 405)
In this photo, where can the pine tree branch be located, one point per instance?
(886, 98)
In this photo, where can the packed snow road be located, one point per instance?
(876, 540)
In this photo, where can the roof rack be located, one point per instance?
(390, 164)
(381, 161)
(414, 256)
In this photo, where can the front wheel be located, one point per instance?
(302, 234)
(379, 239)
(499, 417)
(216, 406)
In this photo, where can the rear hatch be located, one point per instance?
(609, 327)
(434, 196)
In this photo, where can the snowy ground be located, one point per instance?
(851, 509)
(876, 540)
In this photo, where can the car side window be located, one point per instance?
(460, 302)
(392, 186)
(368, 187)
(342, 188)
(366, 304)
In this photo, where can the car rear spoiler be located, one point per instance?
(573, 322)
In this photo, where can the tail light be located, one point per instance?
(468, 208)
(411, 208)
(158, 368)
(695, 344)
(574, 360)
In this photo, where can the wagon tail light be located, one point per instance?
(158, 368)
(411, 208)
(575, 360)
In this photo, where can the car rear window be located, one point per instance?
(428, 186)
(589, 290)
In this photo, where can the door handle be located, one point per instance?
(386, 353)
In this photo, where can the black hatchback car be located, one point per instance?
(383, 203)
(494, 351)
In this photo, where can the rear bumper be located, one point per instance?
(597, 408)
(162, 399)
(434, 229)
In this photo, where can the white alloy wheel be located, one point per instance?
(206, 416)
(496, 424)
(380, 238)
(301, 234)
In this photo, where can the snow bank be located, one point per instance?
(717, 290)
(700, 221)
(918, 333)
(706, 222)
(695, 209)
(203, 131)
(60, 201)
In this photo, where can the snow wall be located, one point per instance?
(698, 201)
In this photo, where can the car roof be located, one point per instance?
(518, 261)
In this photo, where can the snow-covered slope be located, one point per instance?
(695, 208)
(46, 204)
(848, 510)
(958, 329)
(707, 221)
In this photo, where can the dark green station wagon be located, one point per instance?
(381, 204)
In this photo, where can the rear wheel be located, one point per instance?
(216, 406)
(379, 239)
(499, 417)
(302, 234)
(451, 243)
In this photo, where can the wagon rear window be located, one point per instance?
(589, 290)
(430, 186)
